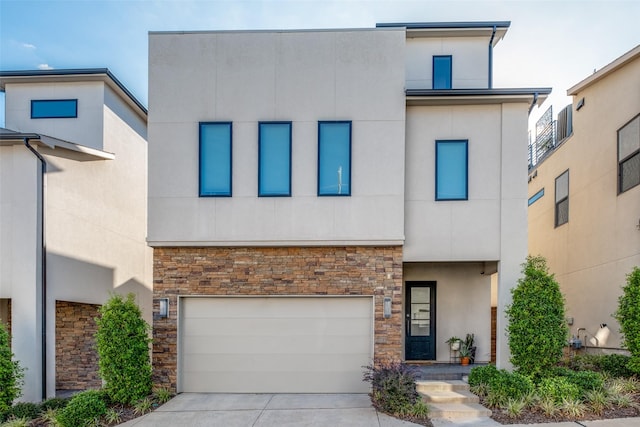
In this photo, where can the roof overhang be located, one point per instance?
(75, 75)
(531, 96)
(453, 29)
(606, 70)
(54, 146)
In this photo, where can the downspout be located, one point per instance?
(43, 289)
(493, 34)
(533, 103)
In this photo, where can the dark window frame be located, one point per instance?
(260, 146)
(319, 165)
(34, 102)
(559, 202)
(466, 167)
(228, 193)
(630, 157)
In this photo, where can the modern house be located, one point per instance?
(584, 197)
(321, 199)
(73, 183)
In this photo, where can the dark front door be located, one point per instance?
(420, 321)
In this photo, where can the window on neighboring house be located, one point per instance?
(442, 72)
(562, 199)
(334, 158)
(215, 159)
(452, 168)
(629, 155)
(54, 108)
(274, 159)
(536, 197)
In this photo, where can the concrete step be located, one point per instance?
(459, 396)
(453, 385)
(458, 411)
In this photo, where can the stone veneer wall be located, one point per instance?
(360, 270)
(76, 354)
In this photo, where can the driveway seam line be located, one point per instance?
(262, 411)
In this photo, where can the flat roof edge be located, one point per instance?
(445, 25)
(264, 31)
(478, 92)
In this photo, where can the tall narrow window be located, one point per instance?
(452, 170)
(562, 199)
(629, 155)
(54, 108)
(274, 164)
(215, 159)
(442, 72)
(334, 158)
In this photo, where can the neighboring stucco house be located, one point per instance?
(89, 133)
(320, 199)
(584, 197)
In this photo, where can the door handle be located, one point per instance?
(408, 327)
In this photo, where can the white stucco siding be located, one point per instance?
(86, 129)
(469, 57)
(302, 77)
(461, 230)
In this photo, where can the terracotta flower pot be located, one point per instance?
(464, 360)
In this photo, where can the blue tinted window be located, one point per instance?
(535, 197)
(334, 158)
(442, 72)
(215, 159)
(54, 108)
(274, 165)
(451, 170)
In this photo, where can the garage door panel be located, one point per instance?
(275, 344)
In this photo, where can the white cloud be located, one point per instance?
(44, 67)
(28, 46)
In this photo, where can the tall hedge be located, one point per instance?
(11, 374)
(123, 342)
(628, 315)
(537, 329)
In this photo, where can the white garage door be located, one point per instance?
(275, 344)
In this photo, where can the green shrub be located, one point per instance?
(558, 389)
(482, 375)
(616, 365)
(54, 403)
(536, 328)
(393, 387)
(509, 385)
(26, 410)
(83, 409)
(628, 316)
(585, 380)
(11, 374)
(123, 349)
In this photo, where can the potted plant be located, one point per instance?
(465, 354)
(454, 343)
(469, 342)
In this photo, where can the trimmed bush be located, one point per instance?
(509, 385)
(123, 349)
(25, 410)
(482, 375)
(393, 387)
(83, 409)
(537, 329)
(585, 380)
(558, 389)
(11, 374)
(54, 403)
(628, 315)
(616, 365)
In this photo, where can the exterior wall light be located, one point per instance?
(386, 307)
(164, 308)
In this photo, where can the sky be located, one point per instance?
(549, 44)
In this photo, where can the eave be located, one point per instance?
(531, 96)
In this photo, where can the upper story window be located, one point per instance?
(54, 108)
(442, 72)
(215, 159)
(452, 170)
(562, 199)
(535, 197)
(274, 154)
(334, 158)
(629, 155)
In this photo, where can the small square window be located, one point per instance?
(215, 159)
(334, 158)
(562, 199)
(629, 155)
(452, 170)
(54, 108)
(442, 72)
(274, 164)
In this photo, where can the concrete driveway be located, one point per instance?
(267, 410)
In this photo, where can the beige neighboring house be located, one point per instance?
(87, 132)
(584, 197)
(319, 199)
